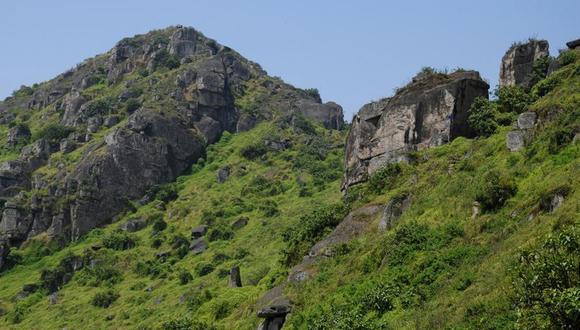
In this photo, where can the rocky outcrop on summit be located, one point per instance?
(517, 65)
(428, 112)
(160, 99)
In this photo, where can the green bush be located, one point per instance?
(167, 192)
(494, 189)
(132, 105)
(99, 107)
(268, 208)
(547, 283)
(53, 133)
(384, 178)
(220, 232)
(380, 298)
(558, 138)
(185, 277)
(164, 59)
(99, 275)
(204, 268)
(151, 268)
(158, 225)
(310, 229)
(253, 151)
(545, 86)
(482, 117)
(23, 91)
(118, 240)
(567, 57)
(104, 299)
(513, 99)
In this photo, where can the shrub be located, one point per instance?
(495, 188)
(567, 57)
(185, 277)
(101, 106)
(547, 283)
(151, 268)
(158, 225)
(545, 86)
(53, 133)
(558, 138)
(99, 275)
(185, 323)
(313, 92)
(311, 228)
(164, 59)
(132, 105)
(167, 192)
(482, 117)
(23, 91)
(118, 240)
(540, 68)
(384, 178)
(104, 299)
(253, 151)
(218, 233)
(513, 99)
(380, 297)
(269, 208)
(204, 268)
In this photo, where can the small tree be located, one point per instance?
(547, 283)
(482, 117)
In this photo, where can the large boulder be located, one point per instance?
(517, 65)
(430, 111)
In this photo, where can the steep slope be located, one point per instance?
(85, 145)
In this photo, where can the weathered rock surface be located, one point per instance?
(235, 278)
(274, 316)
(197, 246)
(430, 111)
(517, 64)
(574, 44)
(133, 225)
(222, 174)
(523, 131)
(393, 210)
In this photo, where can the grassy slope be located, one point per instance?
(199, 194)
(462, 280)
(458, 276)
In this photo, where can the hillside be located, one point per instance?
(172, 184)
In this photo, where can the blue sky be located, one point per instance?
(352, 51)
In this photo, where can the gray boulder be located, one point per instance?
(515, 140)
(223, 174)
(18, 134)
(523, 132)
(430, 111)
(517, 64)
(574, 44)
(274, 316)
(197, 246)
(133, 225)
(235, 278)
(240, 223)
(199, 231)
(393, 211)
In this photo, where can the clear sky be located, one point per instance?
(352, 51)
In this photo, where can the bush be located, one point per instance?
(558, 138)
(204, 268)
(99, 107)
(513, 99)
(104, 299)
(482, 117)
(310, 229)
(158, 225)
(269, 208)
(253, 151)
(23, 91)
(53, 133)
(545, 86)
(186, 323)
(380, 298)
(151, 268)
(547, 283)
(118, 240)
(218, 233)
(313, 92)
(567, 57)
(495, 188)
(384, 178)
(132, 105)
(99, 275)
(167, 193)
(164, 59)
(185, 277)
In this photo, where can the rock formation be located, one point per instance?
(517, 65)
(156, 127)
(522, 132)
(430, 111)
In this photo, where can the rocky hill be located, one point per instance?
(170, 183)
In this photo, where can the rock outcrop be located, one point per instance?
(522, 133)
(517, 65)
(430, 111)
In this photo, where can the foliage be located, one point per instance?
(104, 299)
(384, 178)
(547, 282)
(164, 59)
(513, 99)
(253, 151)
(494, 189)
(53, 133)
(132, 105)
(482, 117)
(118, 240)
(567, 57)
(311, 227)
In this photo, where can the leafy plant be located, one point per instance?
(105, 298)
(482, 117)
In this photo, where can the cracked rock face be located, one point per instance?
(430, 111)
(518, 63)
